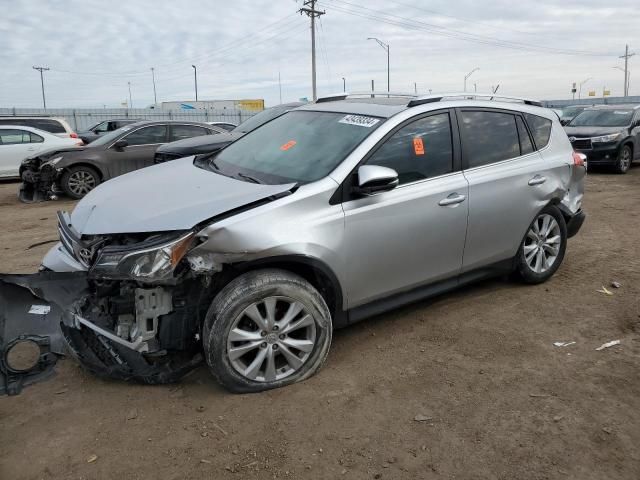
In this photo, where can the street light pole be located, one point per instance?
(582, 83)
(42, 69)
(153, 76)
(130, 101)
(344, 84)
(386, 47)
(468, 75)
(195, 78)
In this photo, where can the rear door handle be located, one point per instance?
(537, 180)
(452, 199)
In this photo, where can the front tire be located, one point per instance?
(266, 329)
(623, 162)
(542, 249)
(77, 181)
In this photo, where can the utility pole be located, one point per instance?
(373, 88)
(386, 47)
(130, 101)
(153, 76)
(344, 84)
(626, 69)
(309, 9)
(195, 78)
(468, 75)
(42, 69)
(415, 87)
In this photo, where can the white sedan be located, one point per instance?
(18, 143)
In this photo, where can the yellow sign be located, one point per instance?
(592, 93)
(606, 92)
(251, 105)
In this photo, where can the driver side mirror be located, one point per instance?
(120, 144)
(374, 179)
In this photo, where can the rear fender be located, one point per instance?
(32, 307)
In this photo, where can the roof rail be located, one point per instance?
(470, 96)
(344, 95)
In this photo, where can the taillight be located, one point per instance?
(579, 159)
(73, 135)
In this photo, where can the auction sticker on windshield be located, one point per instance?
(359, 120)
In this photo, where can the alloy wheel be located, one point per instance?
(542, 243)
(625, 159)
(81, 182)
(271, 339)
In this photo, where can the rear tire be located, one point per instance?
(77, 181)
(266, 329)
(542, 249)
(623, 162)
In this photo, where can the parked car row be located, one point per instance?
(327, 214)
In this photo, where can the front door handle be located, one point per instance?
(452, 199)
(537, 180)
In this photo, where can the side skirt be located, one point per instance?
(428, 291)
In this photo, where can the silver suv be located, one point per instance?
(331, 213)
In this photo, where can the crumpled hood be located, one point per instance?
(172, 196)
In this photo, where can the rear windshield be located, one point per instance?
(603, 118)
(299, 146)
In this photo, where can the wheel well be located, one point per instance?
(556, 203)
(86, 164)
(313, 271)
(629, 144)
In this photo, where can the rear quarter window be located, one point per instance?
(540, 128)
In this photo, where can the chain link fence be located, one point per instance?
(82, 118)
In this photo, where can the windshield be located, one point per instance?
(260, 119)
(299, 146)
(602, 118)
(107, 138)
(571, 112)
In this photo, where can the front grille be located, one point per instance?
(83, 252)
(166, 157)
(581, 144)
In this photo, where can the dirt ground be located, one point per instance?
(500, 400)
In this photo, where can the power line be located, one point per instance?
(397, 20)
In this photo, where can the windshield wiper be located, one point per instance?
(248, 177)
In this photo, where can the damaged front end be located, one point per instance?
(134, 313)
(39, 175)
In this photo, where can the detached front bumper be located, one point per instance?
(33, 309)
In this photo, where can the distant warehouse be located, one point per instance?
(253, 105)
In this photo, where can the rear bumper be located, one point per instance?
(575, 223)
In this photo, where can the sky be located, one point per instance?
(94, 49)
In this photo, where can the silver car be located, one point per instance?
(331, 213)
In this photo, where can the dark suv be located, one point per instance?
(607, 135)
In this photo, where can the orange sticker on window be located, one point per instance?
(288, 145)
(418, 146)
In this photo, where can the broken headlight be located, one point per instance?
(149, 264)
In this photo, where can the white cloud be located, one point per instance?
(240, 46)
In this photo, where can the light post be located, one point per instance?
(468, 75)
(130, 101)
(386, 47)
(153, 77)
(344, 84)
(195, 78)
(582, 83)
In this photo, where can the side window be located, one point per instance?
(540, 129)
(148, 135)
(36, 138)
(488, 137)
(525, 141)
(422, 149)
(180, 132)
(101, 127)
(51, 126)
(14, 137)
